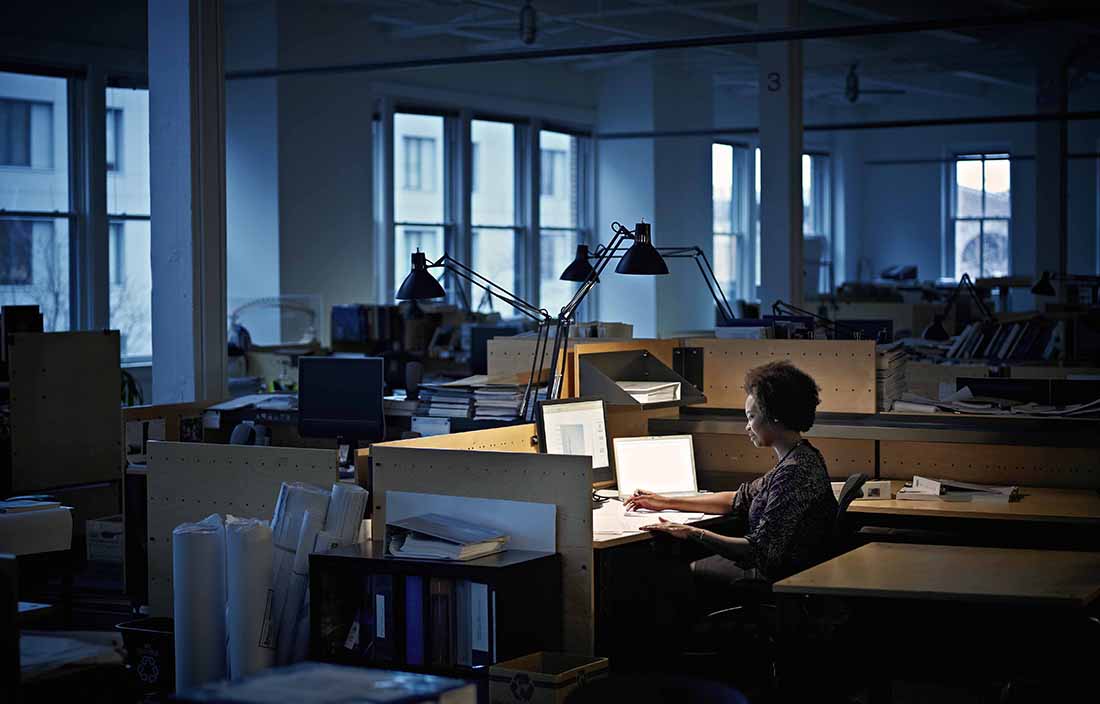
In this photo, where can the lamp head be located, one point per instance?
(579, 269)
(1043, 287)
(419, 284)
(935, 330)
(642, 258)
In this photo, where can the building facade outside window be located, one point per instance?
(34, 192)
(422, 218)
(419, 159)
(496, 232)
(563, 213)
(114, 138)
(979, 230)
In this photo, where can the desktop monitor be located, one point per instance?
(341, 397)
(578, 426)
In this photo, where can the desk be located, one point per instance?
(950, 613)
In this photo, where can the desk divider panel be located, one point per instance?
(508, 438)
(722, 461)
(1060, 468)
(844, 369)
(188, 481)
(552, 479)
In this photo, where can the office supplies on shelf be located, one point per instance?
(317, 683)
(440, 537)
(652, 391)
(662, 464)
(600, 373)
(577, 426)
(198, 571)
(872, 489)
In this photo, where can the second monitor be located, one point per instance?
(578, 426)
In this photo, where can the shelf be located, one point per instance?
(935, 427)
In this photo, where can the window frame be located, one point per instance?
(949, 243)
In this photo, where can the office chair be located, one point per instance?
(841, 540)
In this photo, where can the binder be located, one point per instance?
(442, 621)
(385, 634)
(482, 627)
(414, 620)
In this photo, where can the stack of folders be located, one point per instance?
(890, 383)
(400, 404)
(498, 401)
(652, 391)
(436, 537)
(925, 489)
(445, 622)
(442, 401)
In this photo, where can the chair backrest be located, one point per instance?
(9, 631)
(853, 489)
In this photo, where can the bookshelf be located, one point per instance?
(435, 616)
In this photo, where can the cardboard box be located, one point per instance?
(542, 678)
(105, 539)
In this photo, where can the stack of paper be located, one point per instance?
(652, 391)
(925, 489)
(434, 536)
(498, 401)
(445, 401)
(890, 384)
(399, 404)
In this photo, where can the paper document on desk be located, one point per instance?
(613, 519)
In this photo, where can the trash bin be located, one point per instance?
(150, 653)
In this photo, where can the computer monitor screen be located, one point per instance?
(577, 426)
(341, 397)
(664, 464)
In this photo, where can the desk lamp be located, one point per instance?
(640, 258)
(419, 284)
(1043, 286)
(936, 330)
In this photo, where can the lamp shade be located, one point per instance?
(642, 258)
(579, 269)
(419, 284)
(1043, 287)
(935, 331)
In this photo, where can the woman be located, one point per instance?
(789, 512)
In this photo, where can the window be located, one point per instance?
(981, 198)
(34, 235)
(419, 162)
(731, 244)
(562, 212)
(116, 253)
(553, 172)
(130, 275)
(16, 252)
(114, 139)
(495, 232)
(421, 213)
(816, 219)
(26, 128)
(475, 165)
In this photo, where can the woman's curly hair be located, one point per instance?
(784, 394)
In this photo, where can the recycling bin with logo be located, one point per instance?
(542, 678)
(150, 653)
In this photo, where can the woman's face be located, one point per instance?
(761, 430)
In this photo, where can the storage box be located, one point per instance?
(542, 678)
(105, 539)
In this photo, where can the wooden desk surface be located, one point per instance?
(601, 541)
(1072, 506)
(955, 573)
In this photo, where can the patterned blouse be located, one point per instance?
(790, 513)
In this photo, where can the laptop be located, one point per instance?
(663, 464)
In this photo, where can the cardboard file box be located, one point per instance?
(542, 678)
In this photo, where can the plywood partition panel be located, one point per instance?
(509, 438)
(188, 481)
(716, 454)
(1063, 467)
(844, 369)
(626, 422)
(552, 479)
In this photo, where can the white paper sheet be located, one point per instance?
(613, 519)
(198, 576)
(248, 616)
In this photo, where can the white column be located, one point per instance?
(89, 266)
(187, 189)
(780, 159)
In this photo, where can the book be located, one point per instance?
(434, 536)
(415, 629)
(441, 625)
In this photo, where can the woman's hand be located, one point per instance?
(645, 499)
(676, 530)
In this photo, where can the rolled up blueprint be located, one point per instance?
(295, 588)
(198, 576)
(295, 498)
(248, 616)
(345, 511)
(324, 542)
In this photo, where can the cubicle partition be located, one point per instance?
(189, 481)
(501, 464)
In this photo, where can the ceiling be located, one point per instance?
(947, 63)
